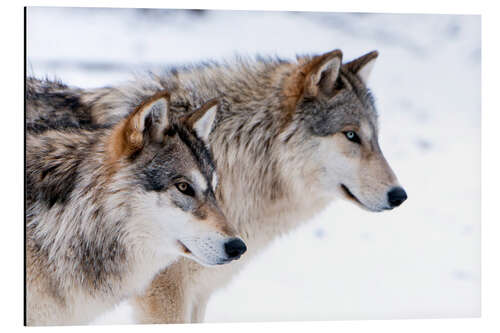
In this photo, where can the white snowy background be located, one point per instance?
(421, 260)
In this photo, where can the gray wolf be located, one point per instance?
(290, 137)
(108, 207)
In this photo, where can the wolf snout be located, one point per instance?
(235, 248)
(396, 196)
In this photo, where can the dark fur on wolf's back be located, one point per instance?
(52, 104)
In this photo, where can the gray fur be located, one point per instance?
(270, 144)
(89, 243)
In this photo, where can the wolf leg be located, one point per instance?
(165, 301)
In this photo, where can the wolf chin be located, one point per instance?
(290, 137)
(108, 207)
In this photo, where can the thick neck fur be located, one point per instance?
(78, 243)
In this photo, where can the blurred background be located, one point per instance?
(421, 260)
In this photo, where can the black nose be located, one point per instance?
(396, 196)
(235, 248)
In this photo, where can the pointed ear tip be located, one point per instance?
(337, 53)
(158, 97)
(213, 104)
(209, 107)
(331, 56)
(165, 95)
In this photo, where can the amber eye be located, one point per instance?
(185, 188)
(352, 136)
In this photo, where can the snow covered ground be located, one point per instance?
(419, 261)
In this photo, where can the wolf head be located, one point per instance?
(332, 103)
(171, 177)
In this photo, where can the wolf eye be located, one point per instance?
(352, 136)
(185, 188)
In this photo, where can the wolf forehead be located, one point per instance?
(353, 105)
(181, 155)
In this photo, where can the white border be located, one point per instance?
(12, 163)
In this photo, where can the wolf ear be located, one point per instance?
(202, 120)
(150, 118)
(363, 65)
(321, 73)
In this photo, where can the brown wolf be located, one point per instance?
(290, 136)
(108, 207)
